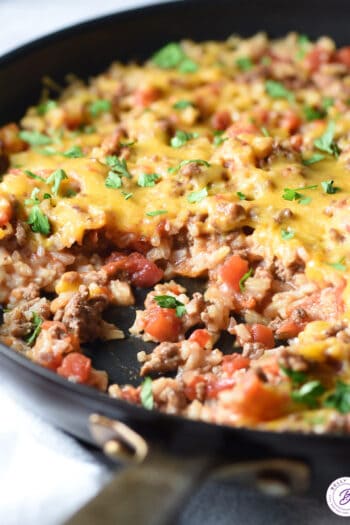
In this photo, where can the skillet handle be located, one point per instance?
(150, 493)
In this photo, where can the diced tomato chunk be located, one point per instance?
(75, 365)
(6, 211)
(262, 334)
(233, 362)
(200, 336)
(290, 121)
(145, 96)
(343, 56)
(233, 270)
(316, 57)
(192, 387)
(221, 120)
(163, 324)
(214, 387)
(141, 271)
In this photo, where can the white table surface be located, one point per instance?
(45, 476)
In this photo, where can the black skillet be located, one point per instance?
(173, 453)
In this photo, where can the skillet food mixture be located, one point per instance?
(225, 161)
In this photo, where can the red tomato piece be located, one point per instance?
(163, 324)
(343, 56)
(145, 96)
(6, 211)
(77, 366)
(200, 336)
(316, 57)
(233, 270)
(214, 387)
(192, 387)
(290, 121)
(221, 120)
(141, 271)
(233, 362)
(262, 334)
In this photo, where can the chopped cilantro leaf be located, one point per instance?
(48, 151)
(181, 137)
(56, 178)
(200, 162)
(312, 113)
(197, 196)
(243, 279)
(168, 301)
(265, 132)
(327, 102)
(244, 63)
(99, 106)
(113, 180)
(75, 152)
(126, 195)
(34, 138)
(309, 393)
(241, 196)
(118, 166)
(287, 234)
(70, 193)
(33, 176)
(295, 376)
(316, 157)
(326, 141)
(46, 106)
(188, 66)
(328, 187)
(156, 212)
(182, 104)
(38, 221)
(147, 180)
(339, 265)
(36, 322)
(340, 398)
(277, 90)
(169, 56)
(294, 195)
(146, 394)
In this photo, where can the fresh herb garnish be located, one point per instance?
(118, 166)
(294, 195)
(99, 106)
(312, 113)
(244, 63)
(46, 106)
(340, 398)
(303, 41)
(36, 322)
(277, 90)
(295, 376)
(34, 138)
(316, 157)
(328, 187)
(309, 393)
(173, 56)
(48, 151)
(127, 195)
(182, 104)
(33, 176)
(265, 132)
(56, 178)
(113, 180)
(241, 196)
(287, 234)
(75, 152)
(243, 279)
(71, 193)
(327, 102)
(147, 180)
(127, 144)
(168, 301)
(200, 162)
(181, 137)
(156, 212)
(326, 141)
(146, 394)
(197, 196)
(38, 221)
(218, 137)
(339, 265)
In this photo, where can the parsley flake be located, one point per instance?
(327, 102)
(287, 234)
(244, 63)
(173, 56)
(118, 166)
(183, 104)
(200, 162)
(309, 393)
(46, 106)
(188, 66)
(265, 132)
(126, 195)
(294, 195)
(218, 137)
(113, 180)
(312, 113)
(146, 394)
(36, 322)
(277, 90)
(326, 141)
(340, 398)
(169, 301)
(328, 187)
(339, 265)
(156, 212)
(99, 106)
(75, 152)
(243, 279)
(241, 196)
(147, 180)
(181, 137)
(33, 176)
(295, 376)
(197, 196)
(56, 178)
(34, 138)
(38, 221)
(316, 157)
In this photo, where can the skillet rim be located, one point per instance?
(139, 412)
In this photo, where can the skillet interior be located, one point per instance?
(87, 49)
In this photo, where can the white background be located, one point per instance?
(45, 475)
